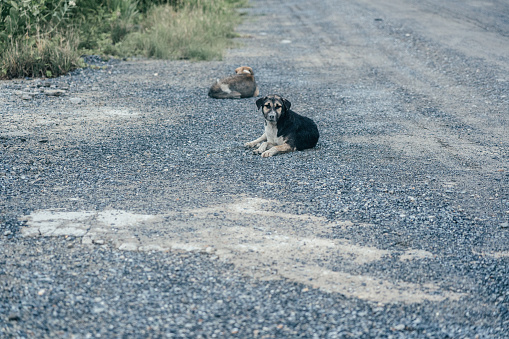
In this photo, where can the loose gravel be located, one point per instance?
(413, 155)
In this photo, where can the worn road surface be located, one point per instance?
(130, 208)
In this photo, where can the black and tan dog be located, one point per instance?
(240, 85)
(285, 130)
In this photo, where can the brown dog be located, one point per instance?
(240, 85)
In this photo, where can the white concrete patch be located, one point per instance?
(55, 223)
(87, 224)
(104, 113)
(121, 218)
(252, 235)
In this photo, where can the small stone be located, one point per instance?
(7, 233)
(98, 241)
(76, 100)
(54, 92)
(504, 225)
(207, 250)
(98, 309)
(86, 241)
(14, 317)
(128, 246)
(399, 327)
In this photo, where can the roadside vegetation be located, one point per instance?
(46, 38)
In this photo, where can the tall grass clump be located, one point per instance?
(104, 23)
(32, 42)
(196, 30)
(43, 57)
(47, 37)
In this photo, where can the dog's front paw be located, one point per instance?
(250, 144)
(267, 154)
(263, 147)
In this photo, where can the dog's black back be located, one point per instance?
(301, 132)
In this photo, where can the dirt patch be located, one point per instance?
(260, 241)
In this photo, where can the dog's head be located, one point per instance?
(273, 107)
(244, 70)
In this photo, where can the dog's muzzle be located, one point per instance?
(271, 116)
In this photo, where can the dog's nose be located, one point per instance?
(272, 116)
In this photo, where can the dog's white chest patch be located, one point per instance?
(225, 88)
(271, 133)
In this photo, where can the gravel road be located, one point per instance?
(130, 208)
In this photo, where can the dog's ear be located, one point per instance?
(259, 102)
(287, 104)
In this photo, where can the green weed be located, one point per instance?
(35, 34)
(197, 32)
(40, 57)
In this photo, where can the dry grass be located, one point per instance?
(42, 57)
(191, 32)
(179, 29)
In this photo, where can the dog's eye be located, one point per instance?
(278, 106)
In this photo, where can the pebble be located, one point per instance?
(54, 92)
(75, 100)
(399, 327)
(86, 241)
(207, 250)
(14, 317)
(79, 165)
(128, 247)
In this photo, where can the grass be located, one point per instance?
(163, 29)
(191, 32)
(43, 57)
